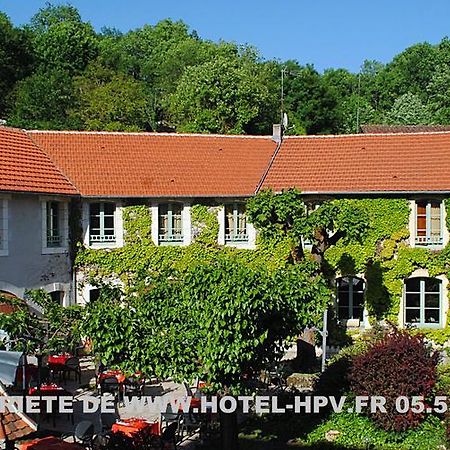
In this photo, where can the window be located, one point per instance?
(94, 295)
(3, 227)
(57, 297)
(423, 301)
(102, 223)
(53, 214)
(235, 223)
(350, 298)
(428, 223)
(170, 224)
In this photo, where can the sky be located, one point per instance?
(326, 33)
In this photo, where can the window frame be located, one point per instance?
(235, 237)
(102, 241)
(171, 238)
(4, 223)
(63, 225)
(427, 240)
(351, 306)
(422, 293)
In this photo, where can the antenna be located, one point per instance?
(357, 105)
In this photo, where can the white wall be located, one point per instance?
(24, 266)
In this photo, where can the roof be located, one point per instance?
(372, 129)
(14, 426)
(362, 163)
(108, 164)
(24, 167)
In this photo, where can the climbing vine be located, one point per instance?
(377, 248)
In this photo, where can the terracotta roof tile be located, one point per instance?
(363, 163)
(151, 165)
(371, 129)
(25, 167)
(15, 426)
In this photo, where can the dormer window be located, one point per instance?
(170, 223)
(429, 223)
(235, 223)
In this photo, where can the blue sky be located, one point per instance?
(326, 33)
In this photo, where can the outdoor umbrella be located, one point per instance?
(9, 362)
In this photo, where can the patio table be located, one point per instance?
(133, 426)
(117, 374)
(59, 360)
(50, 443)
(47, 389)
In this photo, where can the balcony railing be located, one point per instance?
(429, 240)
(236, 237)
(101, 239)
(171, 238)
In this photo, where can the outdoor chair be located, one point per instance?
(169, 437)
(73, 365)
(189, 424)
(107, 421)
(170, 418)
(83, 434)
(133, 386)
(112, 386)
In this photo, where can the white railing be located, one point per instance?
(429, 240)
(170, 238)
(236, 237)
(102, 238)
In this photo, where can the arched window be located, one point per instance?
(423, 301)
(350, 297)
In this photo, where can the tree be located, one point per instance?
(439, 94)
(16, 58)
(61, 40)
(110, 101)
(222, 96)
(43, 101)
(57, 329)
(309, 100)
(218, 321)
(409, 110)
(286, 215)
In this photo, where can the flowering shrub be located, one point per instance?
(397, 365)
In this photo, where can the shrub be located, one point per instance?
(359, 432)
(397, 365)
(334, 380)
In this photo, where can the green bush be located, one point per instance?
(359, 432)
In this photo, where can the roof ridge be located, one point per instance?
(147, 133)
(330, 136)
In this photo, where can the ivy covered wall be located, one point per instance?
(383, 257)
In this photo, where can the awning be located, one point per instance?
(9, 362)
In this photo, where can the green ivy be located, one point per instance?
(381, 254)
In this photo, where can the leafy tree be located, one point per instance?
(221, 96)
(15, 58)
(43, 101)
(439, 94)
(52, 15)
(56, 329)
(285, 214)
(309, 100)
(110, 101)
(220, 322)
(409, 110)
(62, 41)
(410, 71)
